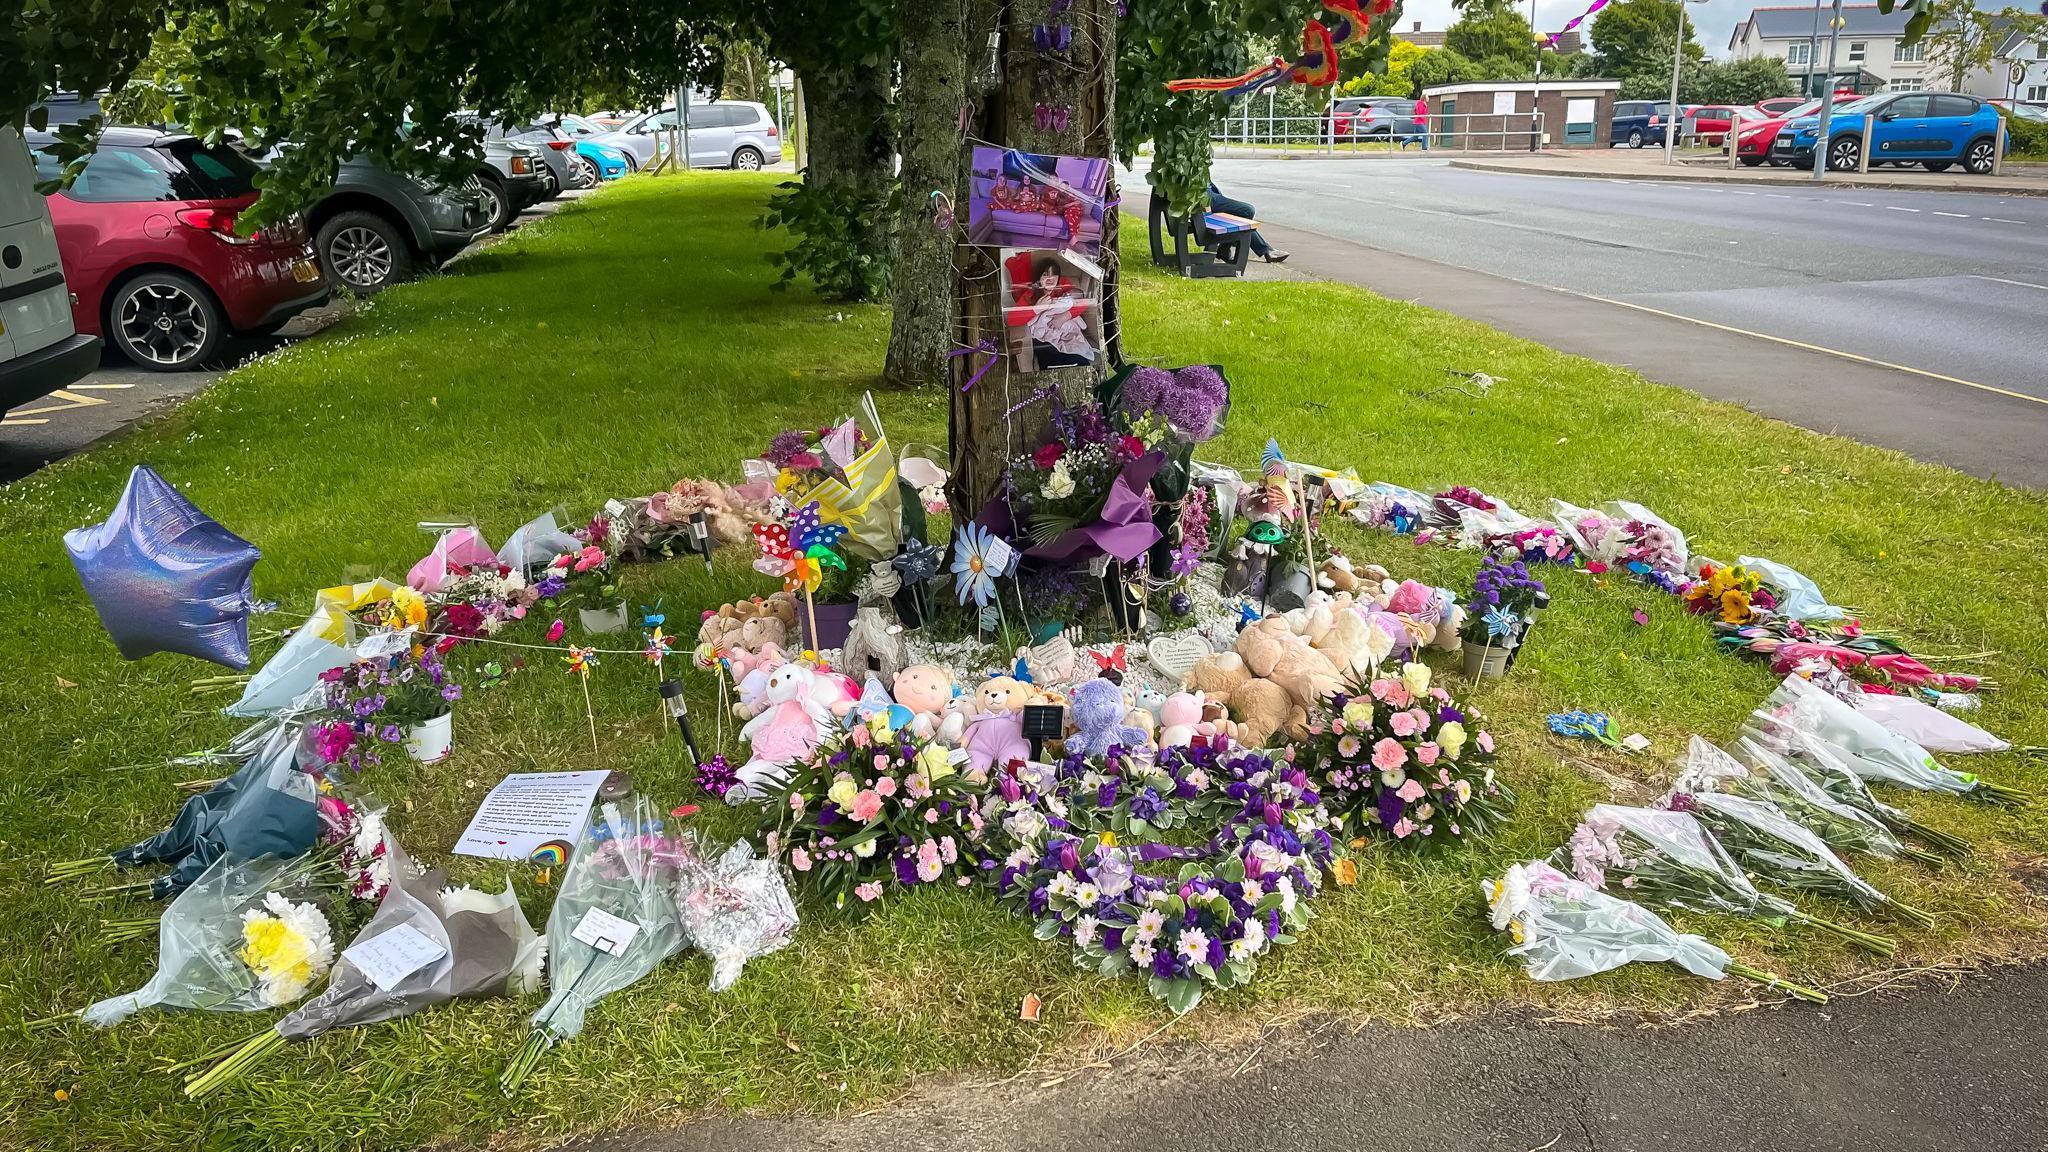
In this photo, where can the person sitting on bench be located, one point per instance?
(1218, 202)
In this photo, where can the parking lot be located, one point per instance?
(118, 394)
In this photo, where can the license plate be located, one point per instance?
(305, 271)
(1785, 141)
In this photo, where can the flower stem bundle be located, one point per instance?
(1777, 848)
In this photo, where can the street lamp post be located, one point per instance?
(1824, 137)
(1813, 49)
(1677, 57)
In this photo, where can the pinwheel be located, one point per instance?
(799, 552)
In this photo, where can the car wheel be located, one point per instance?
(165, 322)
(500, 205)
(1981, 158)
(747, 160)
(585, 171)
(1844, 152)
(363, 252)
(1635, 138)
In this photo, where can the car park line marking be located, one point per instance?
(1777, 196)
(1803, 346)
(2001, 220)
(2003, 280)
(73, 400)
(1856, 203)
(101, 387)
(10, 422)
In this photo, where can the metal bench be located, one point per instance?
(1205, 244)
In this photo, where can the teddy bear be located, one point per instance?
(1179, 716)
(1098, 711)
(925, 689)
(1337, 575)
(1002, 694)
(792, 721)
(995, 739)
(873, 646)
(689, 497)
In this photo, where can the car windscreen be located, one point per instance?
(209, 172)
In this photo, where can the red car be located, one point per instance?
(1753, 139)
(151, 253)
(1710, 122)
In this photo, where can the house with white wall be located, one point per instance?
(1871, 52)
(2020, 68)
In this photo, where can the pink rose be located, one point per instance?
(799, 859)
(886, 785)
(1410, 791)
(589, 558)
(881, 762)
(1426, 754)
(1485, 740)
(1421, 719)
(1388, 754)
(866, 806)
(860, 736)
(931, 815)
(1403, 723)
(1336, 729)
(555, 631)
(869, 892)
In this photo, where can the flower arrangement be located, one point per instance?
(586, 574)
(1197, 516)
(371, 702)
(804, 459)
(1537, 544)
(1771, 845)
(1400, 757)
(1730, 592)
(1191, 402)
(479, 601)
(287, 946)
(875, 809)
(1503, 594)
(1064, 483)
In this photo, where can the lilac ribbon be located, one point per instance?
(988, 346)
(1554, 37)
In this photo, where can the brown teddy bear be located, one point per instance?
(1259, 707)
(1001, 694)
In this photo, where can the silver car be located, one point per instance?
(726, 134)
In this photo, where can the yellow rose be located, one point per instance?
(1358, 714)
(842, 792)
(878, 725)
(1451, 738)
(934, 762)
(1415, 678)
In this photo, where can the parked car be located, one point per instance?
(1778, 106)
(512, 178)
(377, 227)
(728, 134)
(41, 349)
(1755, 138)
(1932, 129)
(1378, 116)
(557, 158)
(1640, 122)
(152, 250)
(1711, 122)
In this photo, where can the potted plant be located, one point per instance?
(587, 577)
(1503, 599)
(406, 698)
(421, 701)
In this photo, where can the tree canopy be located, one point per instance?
(1633, 37)
(1492, 29)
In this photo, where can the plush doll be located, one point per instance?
(787, 730)
(1002, 694)
(1263, 642)
(995, 739)
(873, 646)
(1179, 716)
(925, 689)
(1338, 575)
(1260, 710)
(1097, 713)
(688, 497)
(954, 716)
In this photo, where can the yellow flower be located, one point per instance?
(842, 792)
(1515, 931)
(878, 725)
(1415, 677)
(1451, 738)
(933, 761)
(1109, 839)
(411, 608)
(1345, 870)
(1358, 714)
(785, 480)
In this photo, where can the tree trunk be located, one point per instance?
(848, 138)
(1005, 413)
(935, 91)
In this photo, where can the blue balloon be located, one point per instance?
(166, 577)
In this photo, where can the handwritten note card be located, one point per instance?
(529, 809)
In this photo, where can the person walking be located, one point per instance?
(1218, 202)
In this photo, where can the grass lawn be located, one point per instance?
(632, 340)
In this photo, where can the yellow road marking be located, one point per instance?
(101, 387)
(12, 423)
(75, 401)
(1803, 346)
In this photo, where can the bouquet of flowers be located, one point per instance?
(1503, 596)
(425, 945)
(1401, 757)
(585, 575)
(372, 702)
(1866, 747)
(244, 937)
(1066, 482)
(872, 808)
(1563, 929)
(1628, 536)
(803, 459)
(1775, 781)
(478, 601)
(1857, 656)
(1537, 543)
(732, 908)
(1730, 592)
(1192, 402)
(1772, 845)
(1798, 752)
(613, 922)
(1666, 858)
(1390, 506)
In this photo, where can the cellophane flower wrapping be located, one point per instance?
(1772, 845)
(624, 867)
(733, 906)
(264, 808)
(199, 942)
(488, 949)
(1564, 929)
(1661, 857)
(1843, 826)
(1871, 750)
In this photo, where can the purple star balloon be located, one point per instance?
(166, 577)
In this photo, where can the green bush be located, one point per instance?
(842, 238)
(2028, 137)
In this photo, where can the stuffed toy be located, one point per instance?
(1338, 575)
(790, 725)
(1002, 694)
(925, 689)
(689, 497)
(1179, 716)
(874, 646)
(1097, 713)
(995, 739)
(1260, 710)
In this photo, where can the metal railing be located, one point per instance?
(1341, 134)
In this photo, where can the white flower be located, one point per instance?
(1141, 953)
(1253, 891)
(1415, 678)
(1062, 885)
(1506, 897)
(1285, 886)
(287, 946)
(1060, 483)
(1252, 942)
(1150, 922)
(1087, 895)
(1084, 930)
(865, 848)
(1194, 946)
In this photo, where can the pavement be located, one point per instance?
(118, 394)
(1648, 164)
(1934, 1067)
(1914, 320)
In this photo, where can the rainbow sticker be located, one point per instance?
(551, 853)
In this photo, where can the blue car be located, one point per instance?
(1932, 129)
(610, 162)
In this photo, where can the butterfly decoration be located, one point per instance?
(1247, 615)
(799, 551)
(1053, 117)
(652, 617)
(1113, 660)
(581, 660)
(1053, 37)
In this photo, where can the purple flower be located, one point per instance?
(391, 734)
(1390, 806)
(1148, 805)
(451, 692)
(550, 586)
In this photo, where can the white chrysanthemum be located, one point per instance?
(1507, 897)
(287, 946)
(1084, 930)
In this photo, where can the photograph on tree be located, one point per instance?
(1052, 309)
(1021, 200)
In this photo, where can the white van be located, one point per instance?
(40, 352)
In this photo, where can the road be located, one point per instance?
(1927, 1068)
(118, 394)
(1932, 302)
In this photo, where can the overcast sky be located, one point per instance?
(1712, 21)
